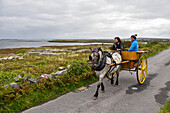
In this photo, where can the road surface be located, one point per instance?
(128, 97)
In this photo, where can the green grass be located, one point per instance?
(166, 108)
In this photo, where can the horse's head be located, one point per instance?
(95, 56)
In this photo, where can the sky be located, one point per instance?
(81, 19)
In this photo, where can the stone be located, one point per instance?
(11, 57)
(32, 80)
(5, 58)
(46, 76)
(21, 58)
(25, 78)
(61, 68)
(19, 76)
(12, 85)
(61, 72)
(56, 77)
(27, 81)
(82, 88)
(134, 88)
(5, 86)
(16, 79)
(34, 53)
(68, 66)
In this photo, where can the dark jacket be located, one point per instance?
(118, 45)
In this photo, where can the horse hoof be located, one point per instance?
(102, 91)
(112, 84)
(94, 98)
(115, 85)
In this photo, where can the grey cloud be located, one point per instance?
(83, 18)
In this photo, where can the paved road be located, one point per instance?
(148, 98)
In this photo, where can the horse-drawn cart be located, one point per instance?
(132, 61)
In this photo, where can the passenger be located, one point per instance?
(134, 45)
(118, 44)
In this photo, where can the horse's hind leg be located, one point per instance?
(112, 80)
(117, 80)
(102, 87)
(96, 94)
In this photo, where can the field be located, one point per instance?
(33, 66)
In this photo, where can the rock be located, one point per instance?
(68, 66)
(32, 80)
(61, 72)
(25, 78)
(5, 58)
(19, 76)
(21, 58)
(27, 81)
(34, 53)
(134, 88)
(14, 85)
(56, 77)
(11, 57)
(16, 79)
(61, 68)
(5, 86)
(82, 88)
(46, 76)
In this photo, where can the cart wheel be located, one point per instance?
(141, 70)
(109, 76)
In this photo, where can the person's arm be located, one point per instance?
(132, 46)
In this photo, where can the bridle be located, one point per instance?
(98, 57)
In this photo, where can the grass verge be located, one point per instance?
(166, 108)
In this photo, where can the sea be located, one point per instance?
(14, 43)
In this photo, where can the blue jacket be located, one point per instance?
(134, 46)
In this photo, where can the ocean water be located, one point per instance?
(26, 44)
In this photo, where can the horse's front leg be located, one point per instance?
(96, 94)
(98, 86)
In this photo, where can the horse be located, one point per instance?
(100, 62)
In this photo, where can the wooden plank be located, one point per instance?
(119, 63)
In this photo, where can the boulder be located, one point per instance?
(20, 58)
(46, 76)
(56, 77)
(61, 68)
(16, 79)
(61, 72)
(14, 85)
(32, 80)
(25, 78)
(68, 66)
(5, 86)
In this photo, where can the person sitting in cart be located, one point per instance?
(118, 44)
(134, 45)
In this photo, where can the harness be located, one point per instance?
(103, 62)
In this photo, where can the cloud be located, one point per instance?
(53, 19)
